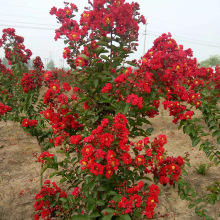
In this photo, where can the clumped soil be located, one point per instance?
(20, 182)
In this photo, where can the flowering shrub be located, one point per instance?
(20, 87)
(92, 119)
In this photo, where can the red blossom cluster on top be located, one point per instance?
(38, 64)
(16, 49)
(105, 18)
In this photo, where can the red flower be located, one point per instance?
(99, 154)
(106, 140)
(114, 163)
(107, 88)
(198, 104)
(66, 86)
(139, 160)
(33, 123)
(55, 87)
(43, 155)
(97, 169)
(48, 75)
(79, 61)
(75, 139)
(135, 100)
(146, 140)
(162, 139)
(66, 53)
(58, 140)
(139, 145)
(25, 123)
(126, 157)
(148, 152)
(75, 192)
(87, 150)
(109, 172)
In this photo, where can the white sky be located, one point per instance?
(193, 23)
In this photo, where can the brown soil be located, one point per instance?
(20, 173)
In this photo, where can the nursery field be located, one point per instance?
(111, 138)
(19, 179)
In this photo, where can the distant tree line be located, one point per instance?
(211, 61)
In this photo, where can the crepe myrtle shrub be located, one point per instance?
(94, 117)
(20, 88)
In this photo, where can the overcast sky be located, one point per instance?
(193, 23)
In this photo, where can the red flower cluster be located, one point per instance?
(43, 207)
(4, 109)
(107, 88)
(16, 51)
(43, 155)
(170, 170)
(29, 123)
(152, 199)
(38, 64)
(136, 197)
(30, 81)
(99, 145)
(58, 104)
(135, 100)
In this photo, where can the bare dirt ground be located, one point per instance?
(19, 173)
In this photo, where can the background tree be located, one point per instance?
(50, 65)
(211, 61)
(5, 62)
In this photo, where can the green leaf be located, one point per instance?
(91, 206)
(80, 217)
(125, 217)
(131, 63)
(196, 141)
(96, 82)
(108, 210)
(107, 217)
(218, 140)
(112, 193)
(57, 196)
(199, 200)
(211, 157)
(102, 43)
(100, 202)
(184, 173)
(191, 206)
(102, 188)
(126, 108)
(52, 174)
(63, 200)
(94, 215)
(104, 57)
(117, 198)
(63, 180)
(149, 131)
(83, 56)
(217, 132)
